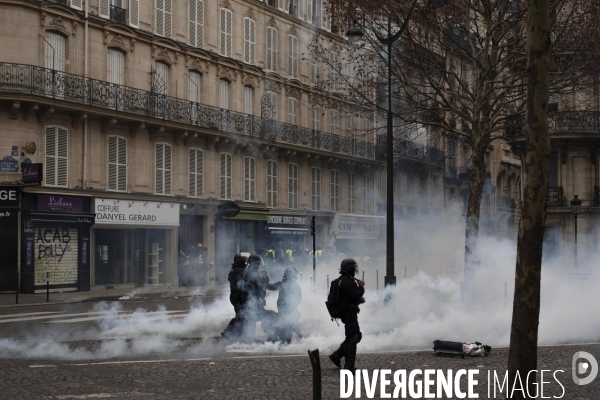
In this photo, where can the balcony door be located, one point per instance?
(115, 74)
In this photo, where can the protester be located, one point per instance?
(234, 330)
(288, 300)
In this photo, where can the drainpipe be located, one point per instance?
(85, 74)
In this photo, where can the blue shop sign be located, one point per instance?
(9, 164)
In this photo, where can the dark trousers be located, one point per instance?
(347, 349)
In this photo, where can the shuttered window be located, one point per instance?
(333, 71)
(315, 118)
(163, 168)
(273, 100)
(367, 194)
(351, 189)
(334, 189)
(334, 122)
(248, 100)
(196, 173)
(314, 69)
(55, 51)
(225, 176)
(249, 178)
(292, 111)
(196, 38)
(163, 17)
(293, 186)
(249, 40)
(117, 163)
(57, 156)
(224, 99)
(366, 126)
(76, 4)
(271, 48)
(316, 188)
(194, 94)
(134, 13)
(104, 8)
(292, 56)
(271, 184)
(115, 67)
(225, 32)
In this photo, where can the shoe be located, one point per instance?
(353, 370)
(337, 361)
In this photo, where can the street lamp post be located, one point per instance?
(575, 209)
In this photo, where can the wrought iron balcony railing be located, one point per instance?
(20, 78)
(117, 14)
(58, 1)
(555, 196)
(561, 122)
(406, 148)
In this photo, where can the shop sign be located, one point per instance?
(57, 202)
(32, 172)
(282, 224)
(9, 164)
(355, 227)
(131, 212)
(10, 196)
(229, 210)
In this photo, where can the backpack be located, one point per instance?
(334, 303)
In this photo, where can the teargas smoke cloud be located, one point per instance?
(425, 306)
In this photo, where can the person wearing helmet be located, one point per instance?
(236, 285)
(288, 300)
(351, 291)
(254, 296)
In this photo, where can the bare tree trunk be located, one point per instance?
(522, 356)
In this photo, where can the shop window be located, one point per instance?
(196, 173)
(293, 186)
(334, 189)
(271, 48)
(117, 163)
(271, 184)
(57, 156)
(225, 32)
(367, 194)
(225, 176)
(249, 178)
(316, 188)
(163, 18)
(196, 23)
(163, 168)
(249, 40)
(351, 193)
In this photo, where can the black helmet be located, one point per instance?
(290, 274)
(255, 258)
(239, 260)
(348, 265)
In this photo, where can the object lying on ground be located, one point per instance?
(476, 349)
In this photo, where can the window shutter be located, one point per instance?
(252, 178)
(192, 172)
(62, 153)
(228, 15)
(222, 175)
(112, 163)
(159, 168)
(167, 169)
(199, 172)
(168, 18)
(252, 41)
(134, 12)
(116, 67)
(223, 34)
(196, 22)
(269, 51)
(50, 166)
(228, 166)
(122, 175)
(103, 8)
(76, 4)
(160, 17)
(192, 23)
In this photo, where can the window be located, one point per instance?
(378, 183)
(161, 79)
(334, 81)
(57, 156)
(314, 69)
(225, 32)
(334, 189)
(163, 18)
(134, 13)
(117, 163)
(452, 155)
(293, 186)
(315, 115)
(367, 194)
(334, 122)
(115, 71)
(248, 100)
(316, 188)
(194, 94)
(366, 127)
(249, 40)
(465, 151)
(351, 187)
(104, 8)
(163, 168)
(273, 100)
(249, 178)
(271, 48)
(196, 173)
(225, 177)
(196, 38)
(292, 56)
(55, 51)
(292, 111)
(271, 184)
(224, 97)
(350, 132)
(76, 4)
(309, 10)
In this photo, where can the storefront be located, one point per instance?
(134, 242)
(10, 203)
(55, 242)
(356, 236)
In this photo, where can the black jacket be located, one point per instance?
(350, 291)
(254, 288)
(236, 282)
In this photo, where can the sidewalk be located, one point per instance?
(39, 299)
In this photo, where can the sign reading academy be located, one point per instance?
(282, 224)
